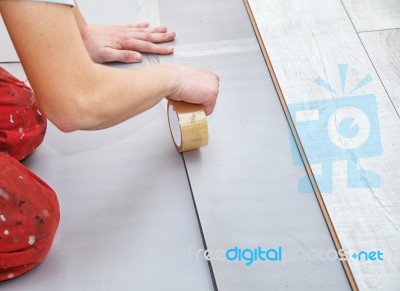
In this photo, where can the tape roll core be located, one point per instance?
(188, 125)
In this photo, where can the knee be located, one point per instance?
(22, 126)
(29, 217)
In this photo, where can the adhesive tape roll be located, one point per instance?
(188, 125)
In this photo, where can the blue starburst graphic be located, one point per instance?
(344, 128)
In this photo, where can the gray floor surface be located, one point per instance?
(128, 220)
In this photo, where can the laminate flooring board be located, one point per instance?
(245, 185)
(368, 15)
(383, 48)
(322, 67)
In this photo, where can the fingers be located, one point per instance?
(146, 47)
(154, 37)
(145, 40)
(135, 25)
(209, 109)
(197, 86)
(160, 29)
(214, 90)
(140, 27)
(123, 56)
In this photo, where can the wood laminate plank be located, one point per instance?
(383, 47)
(370, 15)
(310, 38)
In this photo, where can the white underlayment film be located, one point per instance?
(148, 11)
(216, 48)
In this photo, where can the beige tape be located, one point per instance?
(188, 125)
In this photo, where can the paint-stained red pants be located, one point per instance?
(29, 210)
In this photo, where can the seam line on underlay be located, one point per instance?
(213, 279)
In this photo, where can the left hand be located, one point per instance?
(125, 43)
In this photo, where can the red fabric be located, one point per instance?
(29, 216)
(29, 210)
(22, 126)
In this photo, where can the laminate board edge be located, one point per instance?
(318, 195)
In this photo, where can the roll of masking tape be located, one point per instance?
(188, 125)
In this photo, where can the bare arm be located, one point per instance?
(76, 93)
(80, 20)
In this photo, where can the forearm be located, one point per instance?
(80, 20)
(74, 92)
(118, 95)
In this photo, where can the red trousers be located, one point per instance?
(29, 210)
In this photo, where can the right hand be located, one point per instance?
(197, 86)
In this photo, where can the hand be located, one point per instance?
(197, 86)
(124, 43)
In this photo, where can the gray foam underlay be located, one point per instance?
(246, 185)
(128, 221)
